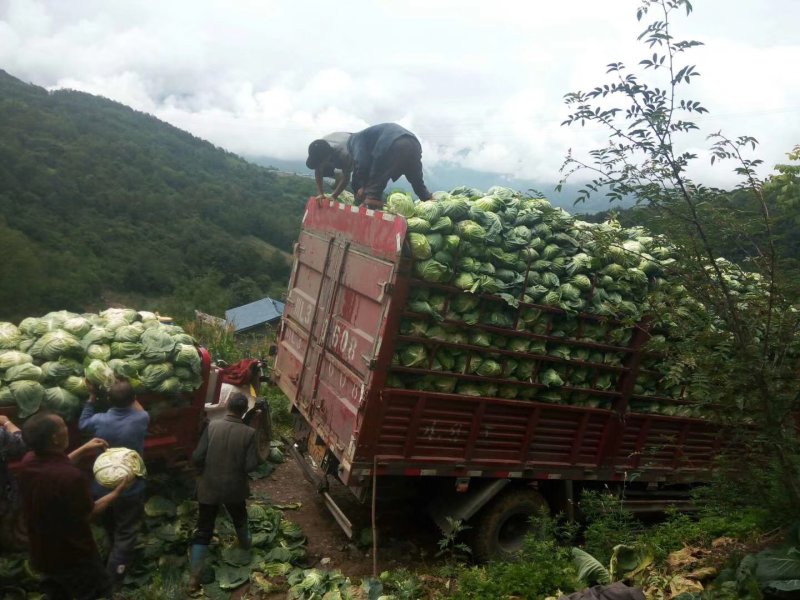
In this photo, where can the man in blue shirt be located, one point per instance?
(124, 425)
(374, 155)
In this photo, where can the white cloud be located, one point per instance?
(480, 83)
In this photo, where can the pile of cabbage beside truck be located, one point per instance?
(491, 351)
(44, 362)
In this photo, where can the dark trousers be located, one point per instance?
(208, 517)
(121, 521)
(87, 580)
(404, 157)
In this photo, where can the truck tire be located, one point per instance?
(502, 525)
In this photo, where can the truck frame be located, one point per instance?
(487, 460)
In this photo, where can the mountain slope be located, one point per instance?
(96, 197)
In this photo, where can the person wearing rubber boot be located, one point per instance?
(383, 152)
(225, 454)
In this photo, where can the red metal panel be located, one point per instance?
(346, 262)
(380, 233)
(432, 429)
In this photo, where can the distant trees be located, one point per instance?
(98, 198)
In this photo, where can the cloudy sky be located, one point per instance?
(480, 82)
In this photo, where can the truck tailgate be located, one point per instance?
(346, 266)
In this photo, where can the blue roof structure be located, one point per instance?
(254, 314)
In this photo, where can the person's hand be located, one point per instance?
(3, 420)
(96, 444)
(126, 483)
(91, 388)
(360, 194)
(320, 199)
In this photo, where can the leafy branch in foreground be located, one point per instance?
(743, 349)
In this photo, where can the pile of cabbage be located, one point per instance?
(559, 296)
(46, 361)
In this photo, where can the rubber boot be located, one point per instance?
(197, 558)
(243, 535)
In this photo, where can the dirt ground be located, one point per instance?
(405, 540)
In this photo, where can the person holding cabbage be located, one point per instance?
(374, 155)
(58, 506)
(124, 425)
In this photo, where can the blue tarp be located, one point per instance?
(254, 314)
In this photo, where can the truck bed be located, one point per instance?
(341, 325)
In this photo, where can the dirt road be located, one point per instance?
(405, 540)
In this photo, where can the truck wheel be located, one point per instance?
(501, 527)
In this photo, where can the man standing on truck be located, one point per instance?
(225, 454)
(124, 425)
(58, 505)
(374, 155)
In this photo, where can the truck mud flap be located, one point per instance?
(322, 486)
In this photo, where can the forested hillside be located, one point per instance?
(101, 203)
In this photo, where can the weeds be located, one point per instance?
(609, 523)
(543, 568)
(449, 546)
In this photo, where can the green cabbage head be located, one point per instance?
(400, 203)
(115, 464)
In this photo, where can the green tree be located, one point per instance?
(746, 359)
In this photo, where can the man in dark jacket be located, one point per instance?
(124, 425)
(375, 155)
(58, 506)
(225, 454)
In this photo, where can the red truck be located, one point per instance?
(176, 422)
(488, 461)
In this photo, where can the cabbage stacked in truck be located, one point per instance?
(516, 299)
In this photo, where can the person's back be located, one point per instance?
(381, 153)
(58, 506)
(374, 141)
(225, 454)
(124, 425)
(229, 456)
